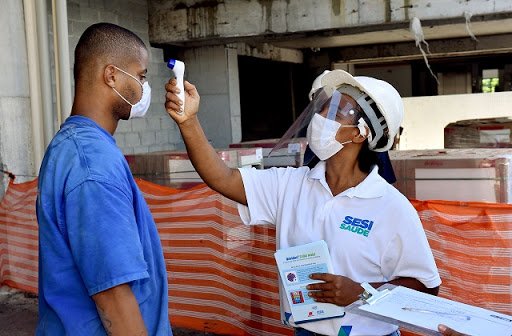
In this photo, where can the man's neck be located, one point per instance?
(96, 112)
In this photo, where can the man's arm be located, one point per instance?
(119, 311)
(205, 159)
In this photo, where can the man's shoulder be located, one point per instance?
(96, 146)
(85, 153)
(104, 162)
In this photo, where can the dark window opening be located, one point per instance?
(272, 95)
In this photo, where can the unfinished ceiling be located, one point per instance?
(392, 33)
(302, 24)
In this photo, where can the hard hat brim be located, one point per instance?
(338, 77)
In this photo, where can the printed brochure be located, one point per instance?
(295, 264)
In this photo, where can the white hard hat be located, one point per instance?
(317, 84)
(384, 95)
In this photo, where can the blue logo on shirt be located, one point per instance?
(357, 225)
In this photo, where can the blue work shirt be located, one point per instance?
(95, 232)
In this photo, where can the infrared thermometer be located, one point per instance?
(178, 67)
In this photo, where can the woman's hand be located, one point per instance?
(174, 105)
(335, 289)
(445, 331)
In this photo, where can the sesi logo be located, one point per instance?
(357, 225)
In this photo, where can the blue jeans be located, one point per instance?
(304, 332)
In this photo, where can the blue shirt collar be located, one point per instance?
(85, 121)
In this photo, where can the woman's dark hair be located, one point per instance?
(366, 158)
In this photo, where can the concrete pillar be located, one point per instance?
(214, 70)
(234, 95)
(15, 121)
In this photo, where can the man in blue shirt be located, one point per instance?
(101, 266)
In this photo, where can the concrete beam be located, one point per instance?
(498, 23)
(382, 53)
(270, 52)
(319, 24)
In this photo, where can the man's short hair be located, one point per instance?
(107, 42)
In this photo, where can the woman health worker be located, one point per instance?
(373, 233)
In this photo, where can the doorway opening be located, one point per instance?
(272, 95)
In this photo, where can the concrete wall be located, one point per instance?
(15, 118)
(214, 70)
(400, 76)
(155, 132)
(426, 117)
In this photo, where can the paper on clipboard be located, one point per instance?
(422, 312)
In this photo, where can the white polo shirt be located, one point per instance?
(373, 232)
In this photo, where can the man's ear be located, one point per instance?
(109, 75)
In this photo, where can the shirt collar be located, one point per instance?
(372, 186)
(84, 121)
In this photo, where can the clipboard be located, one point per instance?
(422, 313)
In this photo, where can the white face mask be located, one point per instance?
(321, 136)
(139, 109)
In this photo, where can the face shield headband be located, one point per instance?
(373, 118)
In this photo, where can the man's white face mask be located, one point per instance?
(140, 108)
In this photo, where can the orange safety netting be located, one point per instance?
(222, 274)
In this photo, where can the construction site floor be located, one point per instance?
(19, 313)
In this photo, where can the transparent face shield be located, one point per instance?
(346, 106)
(331, 108)
(342, 109)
